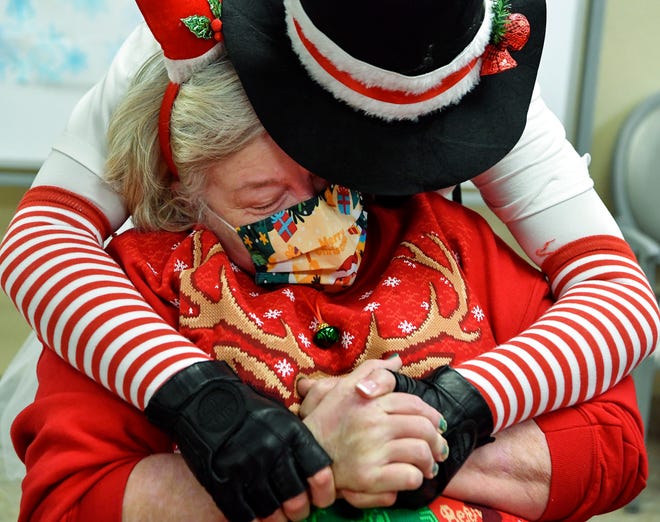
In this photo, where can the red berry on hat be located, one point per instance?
(517, 32)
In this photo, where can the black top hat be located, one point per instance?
(385, 96)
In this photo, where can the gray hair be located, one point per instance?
(211, 119)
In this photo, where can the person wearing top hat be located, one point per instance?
(377, 98)
(300, 290)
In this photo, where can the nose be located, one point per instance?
(318, 184)
(308, 185)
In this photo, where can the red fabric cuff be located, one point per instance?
(598, 457)
(104, 502)
(582, 247)
(59, 197)
(572, 449)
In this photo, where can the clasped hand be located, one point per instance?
(379, 445)
(261, 462)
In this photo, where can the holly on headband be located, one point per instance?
(205, 27)
(190, 35)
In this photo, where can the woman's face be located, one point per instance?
(251, 185)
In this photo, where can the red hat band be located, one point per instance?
(376, 91)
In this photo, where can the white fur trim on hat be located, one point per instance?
(371, 76)
(181, 70)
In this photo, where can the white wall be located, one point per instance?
(32, 116)
(44, 71)
(561, 63)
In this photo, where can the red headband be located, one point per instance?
(164, 126)
(190, 34)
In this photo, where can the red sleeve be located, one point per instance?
(599, 460)
(79, 444)
(511, 291)
(148, 259)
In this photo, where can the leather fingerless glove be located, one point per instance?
(469, 425)
(248, 451)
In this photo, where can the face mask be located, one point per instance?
(318, 241)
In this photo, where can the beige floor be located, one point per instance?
(13, 327)
(14, 332)
(9, 495)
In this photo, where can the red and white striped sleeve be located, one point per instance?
(604, 322)
(79, 301)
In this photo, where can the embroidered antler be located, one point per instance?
(227, 311)
(435, 325)
(450, 325)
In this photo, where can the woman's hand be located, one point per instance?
(379, 445)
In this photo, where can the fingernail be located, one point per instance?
(368, 387)
(445, 451)
(436, 469)
(393, 355)
(442, 425)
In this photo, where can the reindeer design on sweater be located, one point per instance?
(265, 336)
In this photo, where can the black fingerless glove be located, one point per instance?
(469, 425)
(248, 451)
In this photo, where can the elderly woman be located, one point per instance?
(287, 283)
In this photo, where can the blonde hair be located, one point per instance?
(211, 119)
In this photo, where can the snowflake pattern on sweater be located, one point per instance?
(420, 303)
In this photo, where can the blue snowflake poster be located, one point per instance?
(51, 52)
(63, 42)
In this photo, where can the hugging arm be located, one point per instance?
(231, 436)
(605, 317)
(605, 320)
(571, 464)
(92, 456)
(536, 355)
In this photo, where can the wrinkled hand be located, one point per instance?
(469, 421)
(379, 446)
(248, 451)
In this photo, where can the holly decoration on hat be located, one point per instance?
(205, 27)
(510, 31)
(501, 12)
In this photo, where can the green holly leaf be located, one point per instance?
(200, 26)
(216, 7)
(501, 12)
